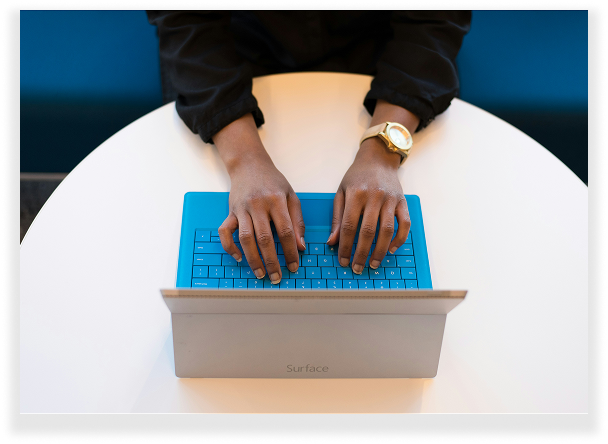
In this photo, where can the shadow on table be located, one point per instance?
(164, 392)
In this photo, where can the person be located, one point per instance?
(208, 60)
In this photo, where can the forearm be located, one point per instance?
(239, 144)
(373, 150)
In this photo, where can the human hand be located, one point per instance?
(259, 194)
(370, 187)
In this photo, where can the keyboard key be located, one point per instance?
(240, 283)
(284, 272)
(378, 273)
(313, 273)
(247, 273)
(329, 273)
(243, 262)
(302, 283)
(337, 262)
(364, 274)
(397, 284)
(268, 284)
(405, 250)
(215, 239)
(216, 272)
(200, 272)
(281, 260)
(316, 248)
(411, 284)
(202, 236)
(381, 284)
(325, 261)
(226, 283)
(215, 233)
(318, 283)
(366, 284)
(389, 261)
(229, 261)
(392, 273)
(300, 274)
(406, 261)
(344, 273)
(331, 249)
(205, 283)
(208, 247)
(309, 260)
(208, 259)
(350, 284)
(235, 236)
(317, 237)
(408, 273)
(255, 283)
(334, 283)
(288, 283)
(409, 238)
(232, 272)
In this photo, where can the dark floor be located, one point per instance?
(35, 190)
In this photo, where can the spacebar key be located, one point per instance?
(205, 283)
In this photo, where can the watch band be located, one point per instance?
(373, 131)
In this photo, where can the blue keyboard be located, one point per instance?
(212, 267)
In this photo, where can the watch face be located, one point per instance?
(400, 138)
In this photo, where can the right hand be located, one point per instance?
(259, 194)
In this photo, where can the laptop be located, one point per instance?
(322, 321)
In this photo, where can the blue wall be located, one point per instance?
(94, 54)
(96, 71)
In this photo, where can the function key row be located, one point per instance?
(394, 284)
(314, 237)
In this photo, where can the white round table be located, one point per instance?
(504, 219)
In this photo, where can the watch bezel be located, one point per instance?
(390, 139)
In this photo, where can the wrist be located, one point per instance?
(373, 152)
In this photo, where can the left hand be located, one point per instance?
(370, 187)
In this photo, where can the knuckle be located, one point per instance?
(367, 230)
(348, 228)
(264, 238)
(285, 232)
(245, 236)
(387, 228)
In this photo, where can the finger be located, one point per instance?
(403, 229)
(297, 220)
(385, 233)
(250, 248)
(348, 227)
(336, 220)
(366, 235)
(285, 232)
(263, 235)
(228, 227)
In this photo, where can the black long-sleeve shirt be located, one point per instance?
(211, 57)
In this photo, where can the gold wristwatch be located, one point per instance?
(397, 138)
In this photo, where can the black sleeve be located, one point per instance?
(417, 70)
(212, 81)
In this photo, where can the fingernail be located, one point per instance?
(327, 241)
(293, 267)
(237, 257)
(344, 262)
(259, 273)
(275, 278)
(392, 250)
(357, 268)
(374, 264)
(302, 241)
